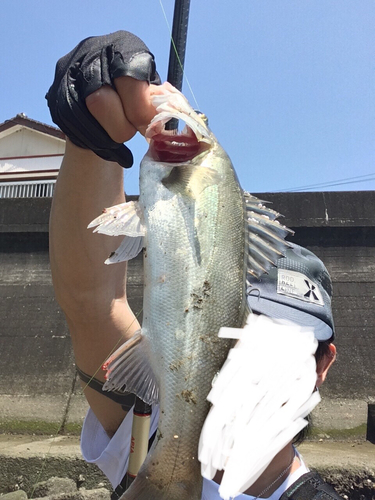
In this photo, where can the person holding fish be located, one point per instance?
(237, 324)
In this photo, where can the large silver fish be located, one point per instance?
(202, 234)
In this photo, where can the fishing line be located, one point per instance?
(31, 493)
(136, 315)
(178, 57)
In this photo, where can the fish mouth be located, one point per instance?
(171, 146)
(168, 146)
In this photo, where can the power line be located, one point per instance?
(338, 182)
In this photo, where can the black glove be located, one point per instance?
(95, 62)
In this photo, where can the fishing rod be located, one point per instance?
(142, 412)
(178, 49)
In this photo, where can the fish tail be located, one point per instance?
(147, 485)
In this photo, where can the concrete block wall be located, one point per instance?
(339, 228)
(37, 374)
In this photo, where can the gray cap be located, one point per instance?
(298, 289)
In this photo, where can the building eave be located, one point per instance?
(21, 121)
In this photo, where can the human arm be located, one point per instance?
(92, 294)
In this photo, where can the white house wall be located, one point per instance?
(31, 164)
(27, 142)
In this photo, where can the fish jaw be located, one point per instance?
(176, 149)
(169, 146)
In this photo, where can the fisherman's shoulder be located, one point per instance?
(310, 486)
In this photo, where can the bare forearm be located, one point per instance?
(85, 186)
(91, 293)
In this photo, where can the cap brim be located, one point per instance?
(322, 331)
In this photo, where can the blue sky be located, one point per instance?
(288, 85)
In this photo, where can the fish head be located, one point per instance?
(172, 147)
(185, 162)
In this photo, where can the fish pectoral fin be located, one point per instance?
(191, 180)
(128, 369)
(122, 219)
(266, 241)
(129, 249)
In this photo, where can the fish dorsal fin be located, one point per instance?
(266, 235)
(254, 204)
(129, 370)
(191, 180)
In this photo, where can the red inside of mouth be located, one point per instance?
(168, 148)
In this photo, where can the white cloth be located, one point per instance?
(211, 489)
(112, 455)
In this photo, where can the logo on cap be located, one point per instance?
(297, 285)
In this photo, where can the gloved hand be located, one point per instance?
(95, 62)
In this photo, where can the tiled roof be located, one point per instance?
(22, 119)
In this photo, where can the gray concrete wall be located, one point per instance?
(37, 375)
(339, 228)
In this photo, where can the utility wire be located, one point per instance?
(338, 182)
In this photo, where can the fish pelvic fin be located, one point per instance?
(128, 369)
(266, 236)
(123, 219)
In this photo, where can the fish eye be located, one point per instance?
(202, 116)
